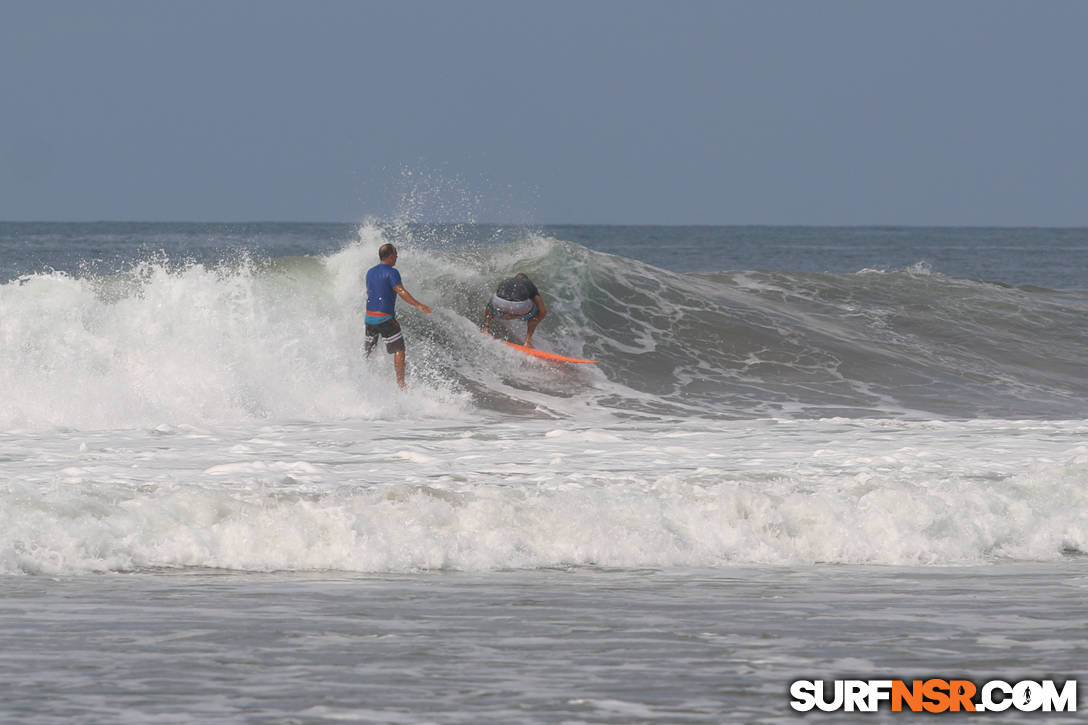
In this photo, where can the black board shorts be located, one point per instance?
(390, 330)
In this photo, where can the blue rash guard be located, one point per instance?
(381, 297)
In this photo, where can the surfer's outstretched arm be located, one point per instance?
(407, 297)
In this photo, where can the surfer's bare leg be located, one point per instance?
(487, 319)
(398, 364)
(541, 313)
(533, 322)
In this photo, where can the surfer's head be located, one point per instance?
(387, 252)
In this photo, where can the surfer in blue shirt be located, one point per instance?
(517, 298)
(383, 286)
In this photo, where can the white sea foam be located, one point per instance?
(390, 497)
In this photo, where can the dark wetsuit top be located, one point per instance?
(516, 289)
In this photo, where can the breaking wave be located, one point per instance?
(279, 338)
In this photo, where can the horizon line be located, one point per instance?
(737, 225)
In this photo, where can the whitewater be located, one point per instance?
(804, 452)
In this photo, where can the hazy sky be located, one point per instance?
(580, 111)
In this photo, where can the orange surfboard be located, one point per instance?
(546, 355)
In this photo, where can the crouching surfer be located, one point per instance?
(516, 298)
(383, 286)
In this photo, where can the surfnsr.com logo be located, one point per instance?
(934, 695)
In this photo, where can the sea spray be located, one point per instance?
(199, 343)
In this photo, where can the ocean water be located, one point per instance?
(804, 453)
